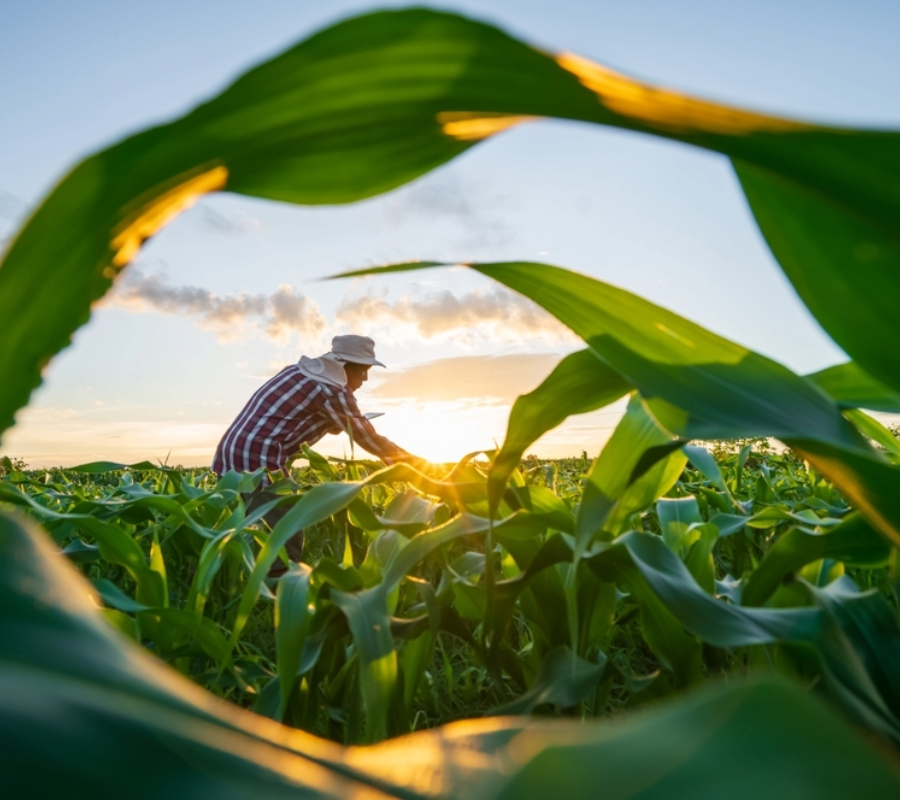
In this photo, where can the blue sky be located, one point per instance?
(158, 371)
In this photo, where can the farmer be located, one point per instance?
(299, 406)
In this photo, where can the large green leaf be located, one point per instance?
(367, 616)
(698, 385)
(726, 389)
(870, 631)
(375, 101)
(291, 626)
(644, 557)
(878, 433)
(858, 645)
(581, 382)
(850, 386)
(83, 712)
(671, 753)
(702, 460)
(835, 232)
(696, 381)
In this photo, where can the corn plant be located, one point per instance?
(665, 563)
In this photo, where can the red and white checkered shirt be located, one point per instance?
(288, 411)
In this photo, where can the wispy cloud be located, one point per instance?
(496, 315)
(453, 199)
(501, 313)
(277, 314)
(214, 220)
(12, 208)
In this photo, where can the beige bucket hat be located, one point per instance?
(355, 349)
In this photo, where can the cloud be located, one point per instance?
(507, 315)
(12, 208)
(489, 379)
(277, 314)
(228, 222)
(450, 198)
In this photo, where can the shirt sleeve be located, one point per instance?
(345, 415)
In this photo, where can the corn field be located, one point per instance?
(742, 594)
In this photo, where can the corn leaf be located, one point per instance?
(563, 681)
(579, 383)
(853, 542)
(102, 716)
(698, 385)
(850, 387)
(636, 444)
(291, 626)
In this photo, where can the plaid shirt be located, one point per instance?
(288, 411)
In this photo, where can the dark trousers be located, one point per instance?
(294, 545)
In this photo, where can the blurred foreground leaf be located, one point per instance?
(84, 712)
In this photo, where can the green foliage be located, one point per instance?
(647, 625)
(696, 384)
(358, 649)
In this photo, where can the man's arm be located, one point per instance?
(343, 411)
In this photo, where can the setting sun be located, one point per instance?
(439, 431)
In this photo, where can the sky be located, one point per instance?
(231, 291)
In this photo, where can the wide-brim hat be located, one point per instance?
(355, 349)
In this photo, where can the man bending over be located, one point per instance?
(299, 406)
